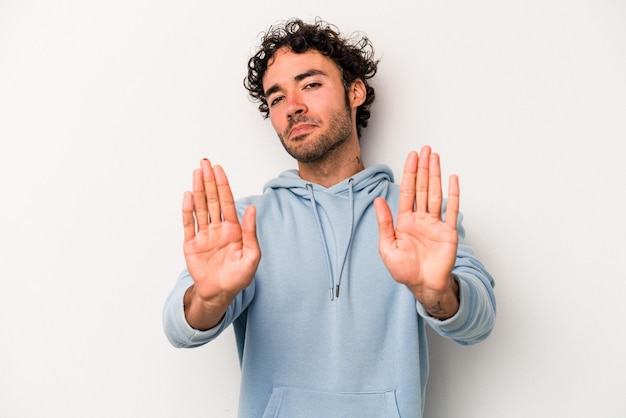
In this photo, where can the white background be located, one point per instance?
(107, 107)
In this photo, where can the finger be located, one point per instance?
(199, 200)
(384, 217)
(407, 186)
(435, 195)
(212, 195)
(421, 184)
(226, 200)
(454, 197)
(189, 222)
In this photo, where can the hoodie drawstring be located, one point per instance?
(334, 289)
(349, 244)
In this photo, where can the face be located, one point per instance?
(309, 108)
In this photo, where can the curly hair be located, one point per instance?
(355, 57)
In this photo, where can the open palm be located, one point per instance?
(221, 255)
(421, 251)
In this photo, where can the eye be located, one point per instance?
(313, 85)
(275, 100)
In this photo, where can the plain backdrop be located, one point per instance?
(107, 107)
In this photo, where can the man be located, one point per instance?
(330, 321)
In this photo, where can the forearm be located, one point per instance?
(204, 314)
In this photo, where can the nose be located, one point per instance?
(295, 105)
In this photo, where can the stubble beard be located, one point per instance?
(308, 150)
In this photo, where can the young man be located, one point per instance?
(330, 321)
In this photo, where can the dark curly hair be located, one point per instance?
(355, 56)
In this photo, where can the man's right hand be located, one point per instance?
(221, 255)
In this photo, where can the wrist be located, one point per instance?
(204, 313)
(441, 304)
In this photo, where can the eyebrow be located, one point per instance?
(299, 77)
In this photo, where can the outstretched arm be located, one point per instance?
(221, 254)
(421, 251)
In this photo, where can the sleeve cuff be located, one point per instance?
(182, 334)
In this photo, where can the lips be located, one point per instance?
(300, 125)
(300, 129)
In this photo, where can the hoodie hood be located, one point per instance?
(365, 181)
(337, 210)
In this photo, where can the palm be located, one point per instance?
(215, 256)
(424, 248)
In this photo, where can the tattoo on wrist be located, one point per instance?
(436, 310)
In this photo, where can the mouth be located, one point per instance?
(300, 130)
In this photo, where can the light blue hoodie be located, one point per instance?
(324, 330)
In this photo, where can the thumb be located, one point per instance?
(387, 234)
(248, 233)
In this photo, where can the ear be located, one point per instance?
(357, 93)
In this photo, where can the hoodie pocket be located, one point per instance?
(287, 402)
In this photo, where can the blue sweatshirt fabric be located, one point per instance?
(324, 330)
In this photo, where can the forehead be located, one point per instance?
(285, 65)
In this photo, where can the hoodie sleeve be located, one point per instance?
(178, 331)
(476, 316)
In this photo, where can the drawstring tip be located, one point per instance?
(337, 291)
(332, 294)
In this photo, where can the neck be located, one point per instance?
(338, 165)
